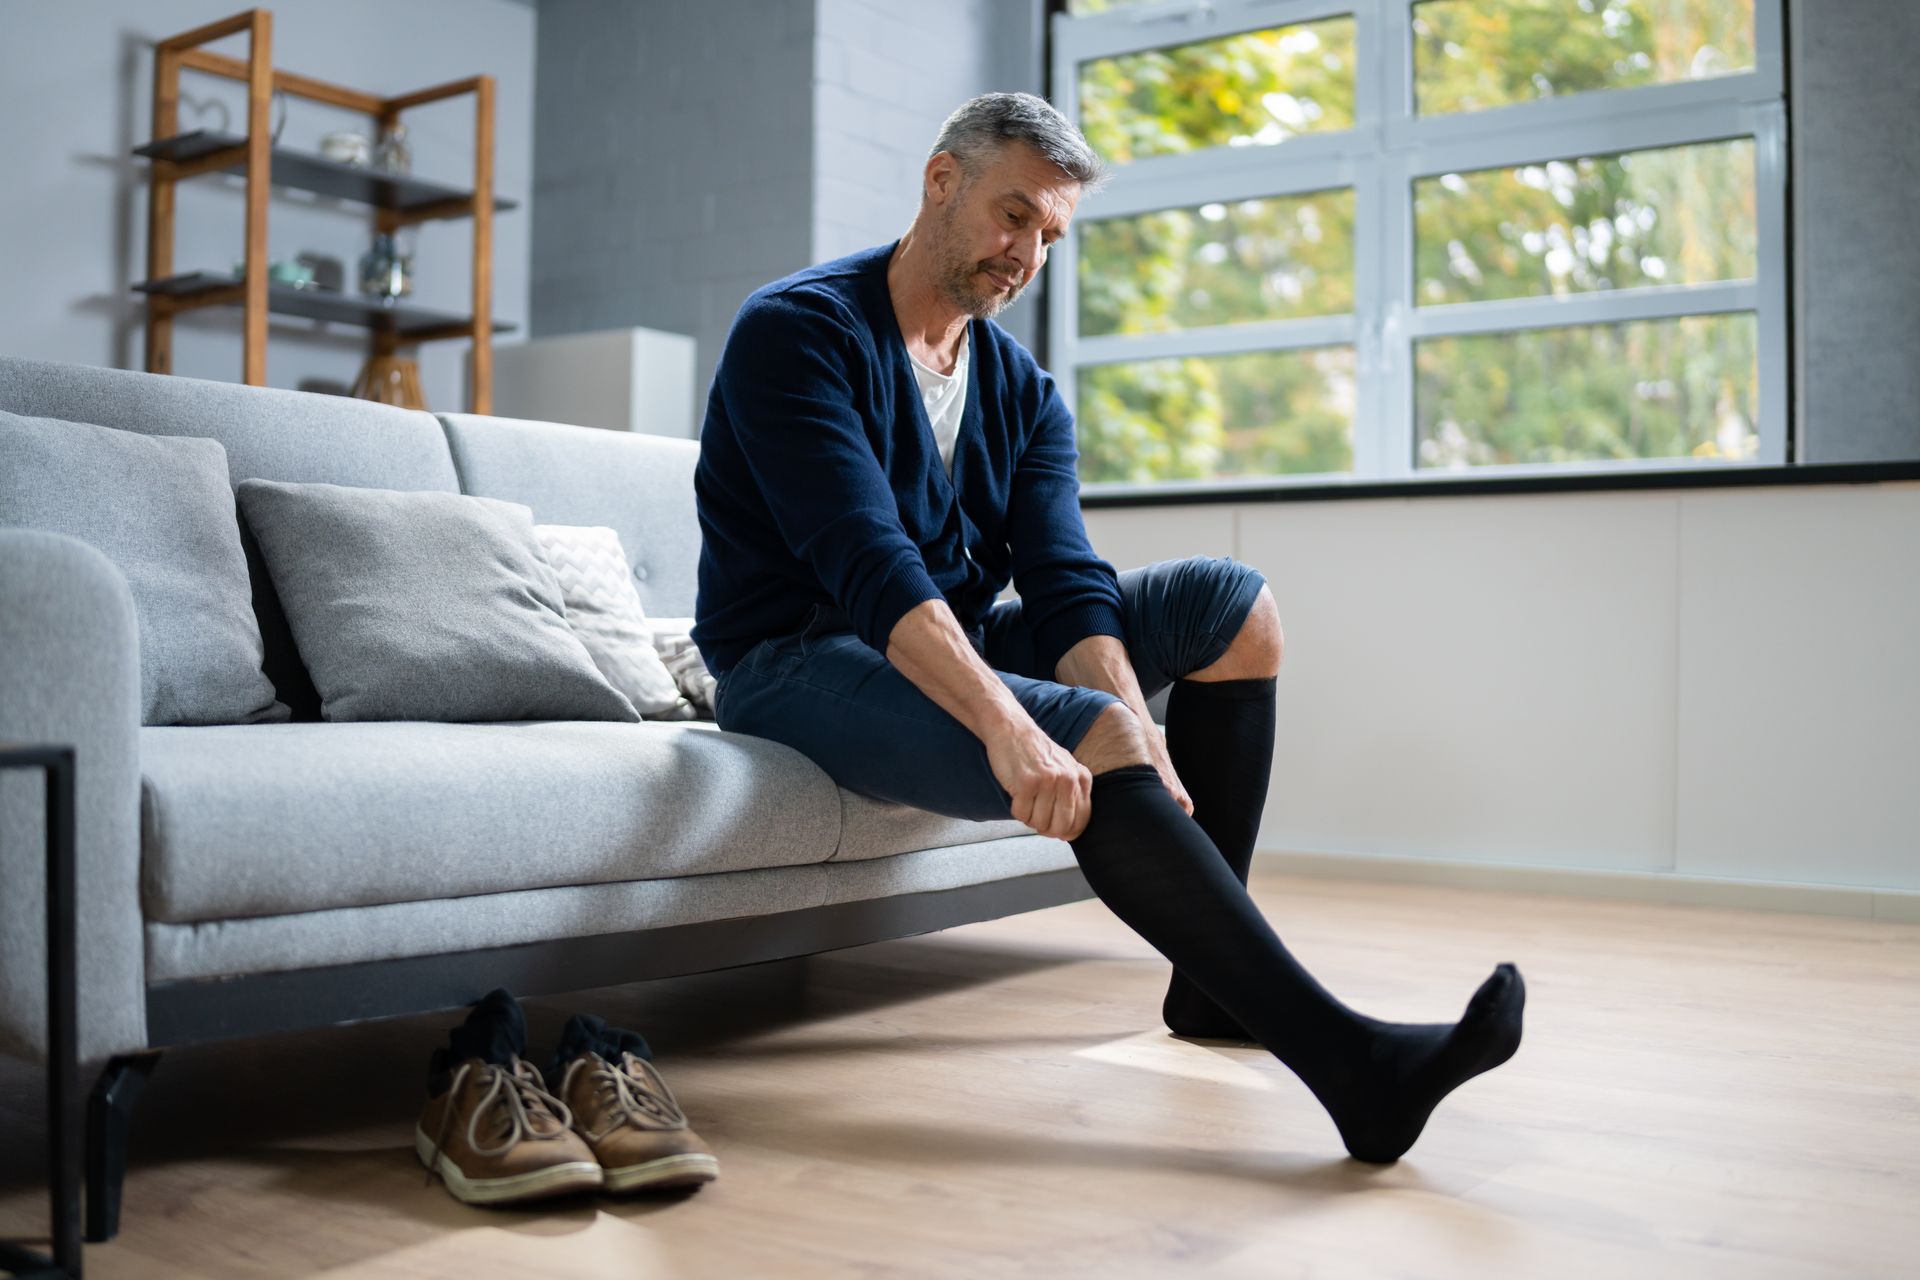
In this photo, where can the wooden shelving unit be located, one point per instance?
(397, 201)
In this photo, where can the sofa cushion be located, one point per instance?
(424, 606)
(639, 485)
(871, 828)
(268, 433)
(159, 508)
(270, 819)
(353, 935)
(596, 587)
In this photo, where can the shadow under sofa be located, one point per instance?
(235, 880)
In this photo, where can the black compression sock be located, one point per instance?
(1156, 869)
(1220, 739)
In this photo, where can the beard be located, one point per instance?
(961, 278)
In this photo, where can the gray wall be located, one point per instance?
(74, 214)
(673, 163)
(1856, 169)
(687, 154)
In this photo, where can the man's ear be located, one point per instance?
(941, 177)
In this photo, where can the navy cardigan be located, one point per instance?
(819, 480)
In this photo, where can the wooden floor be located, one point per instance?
(1701, 1092)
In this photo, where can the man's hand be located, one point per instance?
(1100, 662)
(1050, 791)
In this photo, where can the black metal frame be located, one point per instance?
(63, 1068)
(1704, 476)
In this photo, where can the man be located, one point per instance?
(879, 458)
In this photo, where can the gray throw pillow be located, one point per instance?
(423, 606)
(161, 509)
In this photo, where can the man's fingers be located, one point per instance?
(1042, 816)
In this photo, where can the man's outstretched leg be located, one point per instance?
(1157, 870)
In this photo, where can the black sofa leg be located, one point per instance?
(109, 1121)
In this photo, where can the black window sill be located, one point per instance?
(1731, 476)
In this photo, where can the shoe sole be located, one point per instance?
(538, 1184)
(685, 1170)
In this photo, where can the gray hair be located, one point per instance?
(977, 130)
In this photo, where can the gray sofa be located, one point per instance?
(240, 879)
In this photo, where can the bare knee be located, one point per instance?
(1257, 647)
(1117, 738)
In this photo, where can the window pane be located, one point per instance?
(1258, 88)
(1268, 259)
(1265, 413)
(1472, 54)
(1643, 389)
(1077, 7)
(1681, 215)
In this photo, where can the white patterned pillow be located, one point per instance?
(673, 641)
(602, 607)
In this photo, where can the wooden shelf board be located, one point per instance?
(305, 172)
(401, 319)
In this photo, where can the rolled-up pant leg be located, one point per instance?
(828, 694)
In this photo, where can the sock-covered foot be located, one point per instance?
(1381, 1105)
(1188, 1012)
(1152, 864)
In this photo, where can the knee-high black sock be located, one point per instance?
(1220, 738)
(1379, 1081)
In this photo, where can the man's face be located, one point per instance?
(993, 228)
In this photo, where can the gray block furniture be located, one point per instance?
(236, 879)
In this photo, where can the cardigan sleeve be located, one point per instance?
(1067, 592)
(792, 407)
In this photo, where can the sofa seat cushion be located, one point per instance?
(871, 828)
(270, 819)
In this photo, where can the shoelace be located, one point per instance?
(513, 1087)
(651, 1106)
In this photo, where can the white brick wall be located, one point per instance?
(885, 76)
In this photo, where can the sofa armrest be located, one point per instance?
(70, 673)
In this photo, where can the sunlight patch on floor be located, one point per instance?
(1158, 1052)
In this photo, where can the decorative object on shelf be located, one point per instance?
(385, 272)
(391, 380)
(392, 154)
(396, 201)
(345, 147)
(328, 272)
(297, 274)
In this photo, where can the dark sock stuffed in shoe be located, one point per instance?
(495, 1031)
(589, 1033)
(1220, 739)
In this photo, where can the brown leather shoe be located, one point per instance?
(636, 1129)
(496, 1136)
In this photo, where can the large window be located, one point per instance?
(1396, 238)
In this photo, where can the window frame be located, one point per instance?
(1388, 149)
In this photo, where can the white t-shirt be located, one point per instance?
(945, 395)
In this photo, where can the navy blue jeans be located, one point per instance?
(829, 695)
